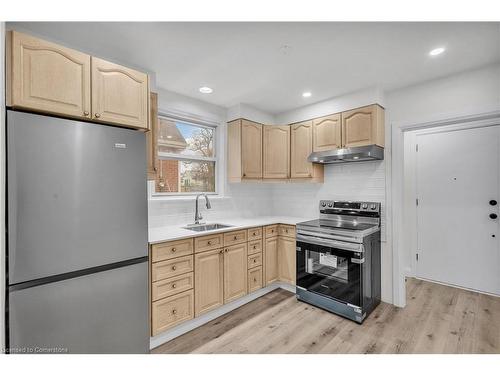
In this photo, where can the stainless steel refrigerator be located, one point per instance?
(77, 264)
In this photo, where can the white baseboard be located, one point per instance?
(183, 328)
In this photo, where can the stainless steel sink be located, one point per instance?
(207, 227)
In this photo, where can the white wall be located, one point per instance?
(2, 182)
(250, 113)
(463, 94)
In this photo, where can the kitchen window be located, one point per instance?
(187, 161)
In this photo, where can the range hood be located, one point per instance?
(348, 155)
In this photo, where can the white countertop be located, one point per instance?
(177, 232)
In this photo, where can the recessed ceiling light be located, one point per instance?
(436, 51)
(206, 90)
(306, 94)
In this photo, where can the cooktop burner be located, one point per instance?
(337, 224)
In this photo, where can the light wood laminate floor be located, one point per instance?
(437, 319)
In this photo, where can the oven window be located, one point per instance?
(327, 265)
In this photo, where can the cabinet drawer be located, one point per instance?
(236, 237)
(171, 311)
(206, 243)
(271, 231)
(254, 279)
(254, 247)
(255, 260)
(173, 267)
(171, 286)
(286, 230)
(254, 233)
(172, 249)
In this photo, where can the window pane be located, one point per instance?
(186, 139)
(185, 176)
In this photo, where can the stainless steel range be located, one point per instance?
(338, 258)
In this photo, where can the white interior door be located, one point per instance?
(457, 177)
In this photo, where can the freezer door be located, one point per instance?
(76, 195)
(105, 312)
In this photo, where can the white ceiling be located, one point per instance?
(243, 62)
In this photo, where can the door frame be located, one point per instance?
(403, 202)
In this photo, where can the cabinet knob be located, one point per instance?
(244, 174)
(97, 115)
(174, 249)
(225, 250)
(220, 252)
(255, 280)
(174, 311)
(174, 286)
(235, 238)
(255, 260)
(253, 234)
(286, 230)
(174, 268)
(254, 247)
(209, 243)
(85, 113)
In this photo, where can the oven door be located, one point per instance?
(330, 268)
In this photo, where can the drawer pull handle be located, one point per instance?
(174, 268)
(174, 311)
(174, 286)
(174, 249)
(286, 230)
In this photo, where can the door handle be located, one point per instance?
(493, 216)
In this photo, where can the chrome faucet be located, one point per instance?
(197, 215)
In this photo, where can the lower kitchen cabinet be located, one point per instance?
(171, 311)
(286, 259)
(254, 279)
(271, 272)
(235, 275)
(209, 279)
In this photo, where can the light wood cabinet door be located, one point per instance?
(286, 259)
(119, 95)
(168, 312)
(327, 133)
(363, 126)
(152, 137)
(235, 272)
(276, 151)
(301, 148)
(251, 149)
(46, 77)
(254, 279)
(271, 272)
(208, 281)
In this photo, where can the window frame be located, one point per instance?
(216, 159)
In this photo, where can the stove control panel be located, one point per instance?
(334, 206)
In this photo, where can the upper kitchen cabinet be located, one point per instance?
(276, 151)
(49, 78)
(363, 126)
(327, 133)
(244, 150)
(119, 94)
(301, 136)
(44, 76)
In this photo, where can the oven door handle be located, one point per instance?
(356, 247)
